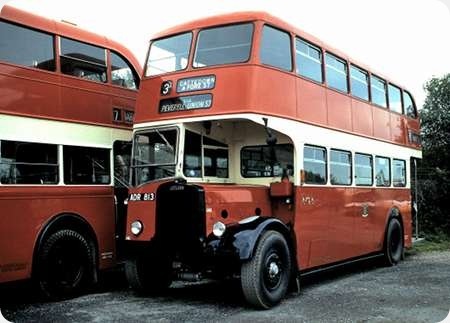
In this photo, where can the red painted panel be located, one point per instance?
(26, 210)
(362, 118)
(329, 225)
(398, 128)
(311, 102)
(144, 211)
(239, 201)
(339, 111)
(381, 123)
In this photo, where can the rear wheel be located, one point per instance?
(147, 274)
(393, 243)
(65, 265)
(265, 277)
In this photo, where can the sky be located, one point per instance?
(407, 41)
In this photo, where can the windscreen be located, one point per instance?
(154, 155)
(223, 45)
(169, 54)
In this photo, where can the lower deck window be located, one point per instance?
(315, 165)
(28, 163)
(383, 171)
(265, 161)
(363, 170)
(340, 167)
(85, 165)
(399, 173)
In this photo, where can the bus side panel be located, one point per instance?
(387, 199)
(311, 102)
(26, 210)
(330, 226)
(323, 225)
(232, 203)
(25, 91)
(84, 100)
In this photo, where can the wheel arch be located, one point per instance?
(244, 238)
(394, 212)
(70, 221)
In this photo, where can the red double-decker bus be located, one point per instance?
(67, 101)
(260, 152)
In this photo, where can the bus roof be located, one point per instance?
(67, 30)
(235, 17)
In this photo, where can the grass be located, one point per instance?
(431, 243)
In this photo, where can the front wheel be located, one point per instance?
(147, 274)
(65, 265)
(265, 277)
(393, 243)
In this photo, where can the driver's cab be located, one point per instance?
(207, 150)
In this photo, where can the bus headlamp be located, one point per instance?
(219, 229)
(136, 228)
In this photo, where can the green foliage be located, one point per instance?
(432, 243)
(434, 172)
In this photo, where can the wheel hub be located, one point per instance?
(274, 270)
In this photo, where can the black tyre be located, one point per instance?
(147, 274)
(265, 277)
(393, 242)
(65, 265)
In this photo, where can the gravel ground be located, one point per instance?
(417, 290)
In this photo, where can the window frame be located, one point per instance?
(57, 165)
(54, 48)
(106, 66)
(372, 168)
(309, 44)
(203, 146)
(110, 171)
(351, 166)
(368, 85)
(326, 164)
(262, 147)
(393, 172)
(137, 79)
(292, 60)
(147, 57)
(191, 58)
(389, 168)
(389, 85)
(379, 79)
(416, 115)
(341, 60)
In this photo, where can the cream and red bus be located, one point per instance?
(67, 100)
(260, 152)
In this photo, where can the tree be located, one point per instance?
(434, 173)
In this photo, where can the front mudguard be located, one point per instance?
(240, 239)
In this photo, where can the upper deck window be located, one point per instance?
(223, 45)
(336, 69)
(378, 91)
(26, 47)
(395, 99)
(276, 48)
(169, 54)
(360, 83)
(122, 73)
(83, 60)
(309, 60)
(410, 109)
